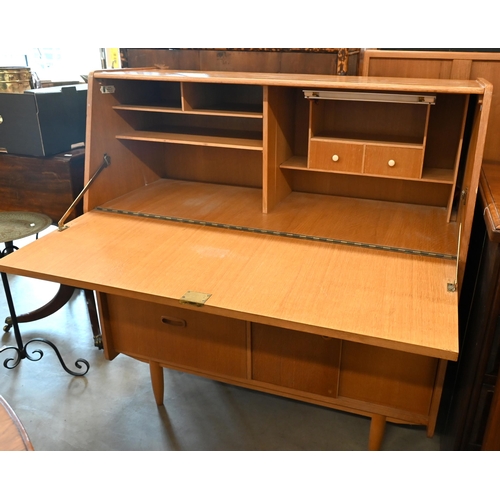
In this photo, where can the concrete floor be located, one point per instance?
(113, 408)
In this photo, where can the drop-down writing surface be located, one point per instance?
(364, 295)
(411, 227)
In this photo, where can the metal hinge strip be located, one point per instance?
(278, 233)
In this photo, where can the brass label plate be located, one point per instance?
(195, 298)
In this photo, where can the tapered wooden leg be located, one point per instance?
(157, 381)
(377, 429)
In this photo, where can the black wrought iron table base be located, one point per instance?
(16, 225)
(21, 351)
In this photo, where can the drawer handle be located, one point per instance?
(391, 163)
(335, 158)
(167, 320)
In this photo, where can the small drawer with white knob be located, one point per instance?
(394, 161)
(339, 156)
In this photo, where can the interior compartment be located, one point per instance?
(145, 93)
(222, 97)
(368, 121)
(437, 128)
(192, 124)
(197, 163)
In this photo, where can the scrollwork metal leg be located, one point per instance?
(21, 348)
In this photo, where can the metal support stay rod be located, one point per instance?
(105, 162)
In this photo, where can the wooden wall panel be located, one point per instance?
(305, 61)
(453, 65)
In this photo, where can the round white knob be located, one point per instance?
(391, 163)
(335, 157)
(1, 119)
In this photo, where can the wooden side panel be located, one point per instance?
(126, 172)
(471, 177)
(296, 360)
(380, 376)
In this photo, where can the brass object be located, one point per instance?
(463, 196)
(17, 225)
(107, 89)
(195, 298)
(15, 79)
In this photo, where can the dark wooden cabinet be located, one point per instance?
(472, 418)
(341, 61)
(42, 184)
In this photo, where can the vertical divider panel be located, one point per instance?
(311, 129)
(277, 140)
(185, 97)
(424, 139)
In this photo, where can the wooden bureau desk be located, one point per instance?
(295, 234)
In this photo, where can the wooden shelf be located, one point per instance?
(295, 162)
(434, 175)
(438, 175)
(194, 139)
(207, 112)
(148, 108)
(407, 142)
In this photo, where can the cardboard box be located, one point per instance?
(43, 122)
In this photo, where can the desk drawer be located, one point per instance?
(394, 161)
(176, 336)
(337, 156)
